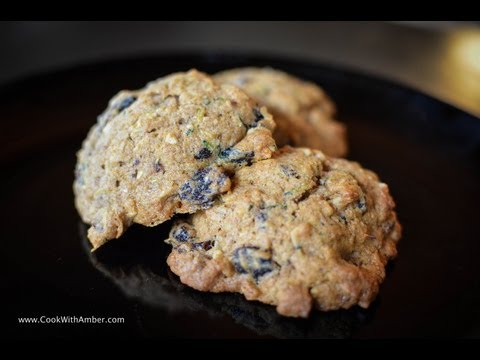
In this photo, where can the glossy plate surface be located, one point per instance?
(428, 152)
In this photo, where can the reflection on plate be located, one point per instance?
(136, 264)
(427, 151)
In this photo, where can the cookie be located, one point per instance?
(296, 231)
(138, 271)
(302, 110)
(165, 149)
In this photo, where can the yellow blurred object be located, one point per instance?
(465, 49)
(459, 68)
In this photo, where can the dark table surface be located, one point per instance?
(439, 58)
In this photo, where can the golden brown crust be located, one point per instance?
(303, 112)
(297, 230)
(166, 149)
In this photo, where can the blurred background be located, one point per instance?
(438, 58)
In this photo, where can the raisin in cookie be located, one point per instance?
(302, 111)
(166, 149)
(296, 231)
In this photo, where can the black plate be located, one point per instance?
(428, 152)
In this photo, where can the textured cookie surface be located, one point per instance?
(166, 149)
(296, 231)
(302, 111)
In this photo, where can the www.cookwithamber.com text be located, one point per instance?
(70, 320)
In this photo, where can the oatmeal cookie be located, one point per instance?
(302, 110)
(167, 148)
(296, 231)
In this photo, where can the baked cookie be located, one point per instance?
(139, 272)
(302, 111)
(296, 231)
(166, 149)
